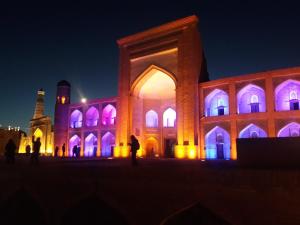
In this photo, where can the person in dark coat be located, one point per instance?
(56, 151)
(36, 150)
(74, 150)
(28, 150)
(10, 150)
(135, 146)
(63, 150)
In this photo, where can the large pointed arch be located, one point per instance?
(157, 73)
(107, 144)
(38, 133)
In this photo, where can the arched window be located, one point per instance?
(76, 119)
(251, 99)
(151, 119)
(109, 115)
(254, 99)
(216, 103)
(92, 117)
(169, 118)
(294, 102)
(217, 144)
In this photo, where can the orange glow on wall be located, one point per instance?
(125, 151)
(117, 151)
(179, 151)
(192, 154)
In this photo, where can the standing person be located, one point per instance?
(63, 150)
(56, 151)
(10, 150)
(28, 150)
(135, 145)
(36, 150)
(74, 150)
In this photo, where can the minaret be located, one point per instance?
(39, 106)
(61, 117)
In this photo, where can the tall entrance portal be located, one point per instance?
(158, 90)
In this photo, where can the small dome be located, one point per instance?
(63, 83)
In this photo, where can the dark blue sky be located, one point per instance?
(42, 43)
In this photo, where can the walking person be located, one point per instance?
(74, 151)
(36, 150)
(10, 150)
(135, 146)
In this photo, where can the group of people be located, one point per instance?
(10, 151)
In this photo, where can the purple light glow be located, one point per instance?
(76, 119)
(290, 130)
(284, 92)
(109, 115)
(252, 131)
(217, 144)
(216, 99)
(74, 140)
(248, 95)
(169, 118)
(90, 145)
(107, 144)
(92, 117)
(151, 119)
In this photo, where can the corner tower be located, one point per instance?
(158, 90)
(63, 95)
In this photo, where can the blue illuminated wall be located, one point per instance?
(214, 139)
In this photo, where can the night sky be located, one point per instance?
(42, 43)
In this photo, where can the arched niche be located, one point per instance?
(290, 130)
(169, 118)
(74, 140)
(76, 119)
(90, 145)
(217, 144)
(151, 119)
(287, 95)
(252, 131)
(109, 114)
(251, 99)
(92, 117)
(216, 103)
(107, 144)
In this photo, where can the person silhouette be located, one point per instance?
(28, 150)
(10, 150)
(36, 150)
(63, 150)
(74, 150)
(56, 151)
(135, 145)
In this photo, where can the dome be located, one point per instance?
(63, 83)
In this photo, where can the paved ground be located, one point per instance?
(156, 189)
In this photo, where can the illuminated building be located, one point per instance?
(167, 101)
(40, 127)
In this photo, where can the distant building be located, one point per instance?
(10, 133)
(166, 100)
(39, 126)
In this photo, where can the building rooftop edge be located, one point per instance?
(159, 29)
(257, 75)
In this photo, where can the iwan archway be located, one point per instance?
(154, 91)
(159, 70)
